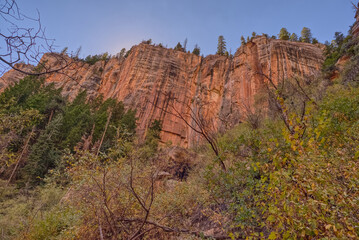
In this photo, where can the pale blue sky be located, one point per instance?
(109, 25)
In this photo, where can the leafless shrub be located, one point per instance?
(23, 40)
(118, 201)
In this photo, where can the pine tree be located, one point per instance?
(339, 38)
(122, 53)
(283, 34)
(221, 48)
(152, 140)
(178, 47)
(15, 98)
(44, 153)
(47, 100)
(101, 111)
(293, 37)
(128, 124)
(154, 132)
(77, 120)
(149, 41)
(196, 50)
(306, 35)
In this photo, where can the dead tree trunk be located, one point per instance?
(21, 155)
(104, 133)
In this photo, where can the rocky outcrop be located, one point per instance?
(163, 83)
(11, 77)
(355, 28)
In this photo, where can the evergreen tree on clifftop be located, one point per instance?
(221, 48)
(306, 35)
(293, 37)
(283, 34)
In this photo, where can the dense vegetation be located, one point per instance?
(75, 169)
(297, 177)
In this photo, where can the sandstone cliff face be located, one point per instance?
(355, 28)
(151, 77)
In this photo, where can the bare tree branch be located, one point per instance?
(23, 39)
(355, 6)
(304, 92)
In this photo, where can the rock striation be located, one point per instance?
(169, 85)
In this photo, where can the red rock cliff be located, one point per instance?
(151, 76)
(355, 28)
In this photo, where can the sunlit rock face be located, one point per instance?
(355, 29)
(162, 84)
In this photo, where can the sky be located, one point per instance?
(110, 25)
